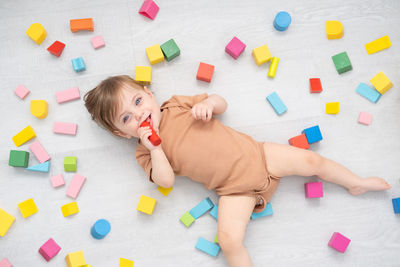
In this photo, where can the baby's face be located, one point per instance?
(134, 107)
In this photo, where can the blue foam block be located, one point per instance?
(276, 103)
(396, 205)
(282, 21)
(369, 93)
(266, 212)
(214, 212)
(100, 229)
(78, 64)
(201, 208)
(207, 247)
(313, 134)
(43, 167)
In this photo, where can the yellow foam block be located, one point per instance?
(6, 220)
(334, 29)
(146, 204)
(36, 32)
(24, 136)
(378, 45)
(261, 55)
(27, 208)
(125, 263)
(155, 54)
(39, 108)
(75, 259)
(69, 209)
(381, 83)
(273, 67)
(332, 108)
(164, 191)
(143, 74)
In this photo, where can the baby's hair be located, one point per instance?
(102, 101)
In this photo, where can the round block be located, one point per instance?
(100, 229)
(282, 21)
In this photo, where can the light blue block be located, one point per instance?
(276, 103)
(78, 64)
(214, 212)
(396, 205)
(369, 93)
(43, 167)
(266, 212)
(282, 21)
(207, 247)
(313, 134)
(201, 208)
(100, 229)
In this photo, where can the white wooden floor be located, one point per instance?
(298, 232)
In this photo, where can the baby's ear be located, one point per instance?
(118, 133)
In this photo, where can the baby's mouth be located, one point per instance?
(149, 120)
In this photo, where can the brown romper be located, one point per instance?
(211, 153)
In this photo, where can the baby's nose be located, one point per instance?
(138, 115)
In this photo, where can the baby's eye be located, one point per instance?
(126, 118)
(138, 100)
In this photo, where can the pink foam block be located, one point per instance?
(75, 186)
(313, 189)
(39, 152)
(365, 118)
(97, 41)
(5, 263)
(57, 180)
(49, 249)
(65, 128)
(21, 91)
(339, 242)
(235, 47)
(149, 9)
(68, 95)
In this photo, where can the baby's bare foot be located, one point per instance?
(369, 184)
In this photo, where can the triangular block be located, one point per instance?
(43, 167)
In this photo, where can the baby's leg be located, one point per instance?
(233, 216)
(285, 160)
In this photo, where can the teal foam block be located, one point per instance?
(276, 103)
(201, 208)
(214, 212)
(207, 247)
(78, 64)
(369, 93)
(43, 167)
(266, 212)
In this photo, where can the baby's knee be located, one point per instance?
(229, 241)
(314, 160)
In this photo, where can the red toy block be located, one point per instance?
(299, 141)
(56, 48)
(154, 138)
(205, 72)
(315, 85)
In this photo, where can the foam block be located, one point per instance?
(125, 262)
(272, 67)
(81, 25)
(313, 134)
(216, 238)
(315, 85)
(334, 29)
(299, 141)
(146, 204)
(339, 242)
(170, 49)
(149, 9)
(36, 32)
(282, 21)
(208, 247)
(342, 62)
(49, 249)
(5, 263)
(332, 108)
(235, 47)
(368, 92)
(21, 91)
(78, 64)
(266, 212)
(97, 42)
(6, 220)
(261, 55)
(42, 167)
(69, 209)
(378, 45)
(56, 48)
(164, 191)
(68, 95)
(276, 103)
(57, 180)
(27, 208)
(70, 164)
(23, 136)
(39, 152)
(365, 118)
(100, 229)
(381, 83)
(201, 208)
(75, 186)
(143, 74)
(154, 54)
(75, 259)
(313, 190)
(214, 212)
(154, 138)
(187, 219)
(205, 72)
(396, 205)
(18, 158)
(39, 108)
(65, 128)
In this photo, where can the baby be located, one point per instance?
(245, 173)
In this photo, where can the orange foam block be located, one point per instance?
(65, 128)
(205, 72)
(81, 25)
(75, 186)
(299, 141)
(68, 95)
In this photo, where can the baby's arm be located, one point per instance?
(213, 105)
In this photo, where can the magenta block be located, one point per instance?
(149, 9)
(365, 118)
(57, 180)
(97, 41)
(49, 249)
(21, 91)
(235, 47)
(339, 242)
(75, 186)
(313, 189)
(5, 263)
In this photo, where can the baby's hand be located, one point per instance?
(203, 111)
(144, 133)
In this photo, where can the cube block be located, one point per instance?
(70, 164)
(39, 108)
(205, 72)
(18, 158)
(214, 212)
(381, 83)
(164, 191)
(69, 209)
(21, 91)
(299, 141)
(342, 62)
(65, 128)
(56, 48)
(100, 229)
(78, 64)
(68, 95)
(339, 242)
(97, 42)
(273, 67)
(208, 247)
(75, 259)
(282, 21)
(75, 186)
(170, 49)
(235, 47)
(334, 29)
(146, 204)
(49, 249)
(261, 55)
(332, 108)
(81, 24)
(365, 118)
(313, 190)
(125, 263)
(36, 32)
(201, 208)
(143, 74)
(187, 219)
(6, 220)
(149, 9)
(23, 136)
(42, 167)
(276, 103)
(313, 134)
(27, 208)
(57, 180)
(368, 92)
(266, 212)
(5, 263)
(315, 85)
(39, 152)
(154, 54)
(378, 45)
